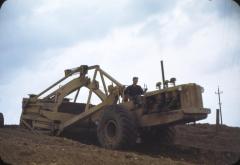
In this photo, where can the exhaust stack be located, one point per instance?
(163, 75)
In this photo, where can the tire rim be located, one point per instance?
(111, 129)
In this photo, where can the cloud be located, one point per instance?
(29, 28)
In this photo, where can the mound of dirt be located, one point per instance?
(200, 144)
(194, 144)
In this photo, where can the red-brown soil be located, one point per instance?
(194, 144)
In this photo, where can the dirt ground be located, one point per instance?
(194, 144)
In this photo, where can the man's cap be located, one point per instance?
(134, 78)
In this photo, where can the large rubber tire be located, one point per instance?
(116, 129)
(1, 120)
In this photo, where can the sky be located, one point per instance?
(198, 41)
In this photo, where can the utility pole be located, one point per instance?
(219, 102)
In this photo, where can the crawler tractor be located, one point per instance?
(118, 122)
